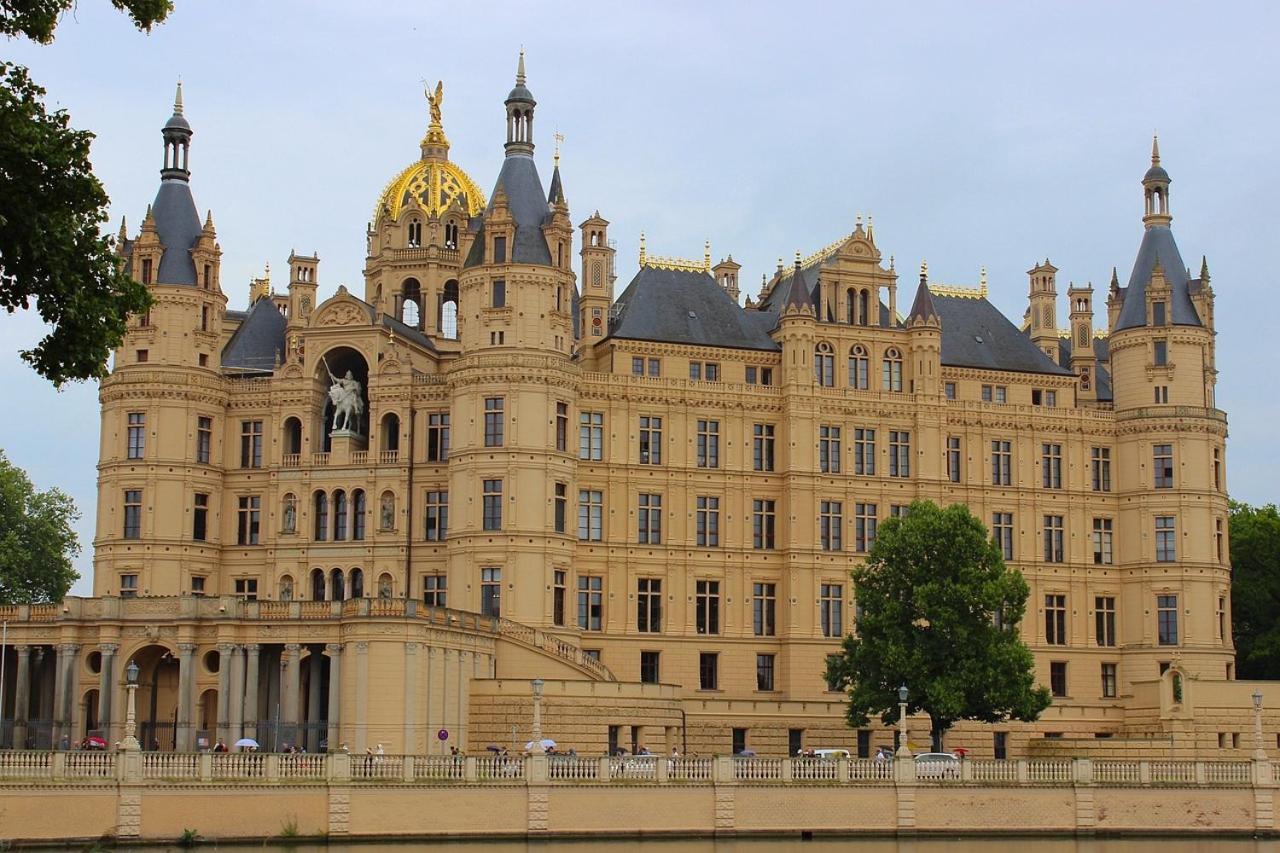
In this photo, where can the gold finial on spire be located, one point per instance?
(982, 282)
(1155, 149)
(559, 137)
(520, 68)
(435, 100)
(435, 143)
(642, 253)
(706, 256)
(797, 258)
(924, 269)
(891, 266)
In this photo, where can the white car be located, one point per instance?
(937, 765)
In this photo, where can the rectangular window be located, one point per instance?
(649, 520)
(133, 514)
(707, 607)
(249, 519)
(707, 521)
(137, 434)
(128, 586)
(764, 601)
(141, 356)
(493, 421)
(711, 371)
(1000, 745)
(437, 436)
(831, 525)
(591, 436)
(558, 593)
(561, 508)
(655, 367)
(762, 447)
(436, 521)
(197, 584)
(491, 592)
(864, 527)
(1217, 538)
(1002, 533)
(649, 605)
(590, 602)
(562, 427)
(499, 294)
(1162, 459)
(986, 393)
(708, 671)
(949, 390)
(251, 444)
(637, 366)
(1104, 620)
(953, 458)
(247, 588)
(752, 376)
(650, 440)
(1222, 617)
(831, 609)
(1217, 469)
(499, 250)
(1167, 620)
(1051, 466)
(864, 452)
(1058, 678)
(1051, 398)
(1157, 314)
(1053, 539)
(1100, 459)
(1166, 543)
(590, 515)
(1162, 394)
(146, 275)
(899, 453)
(1108, 681)
(764, 672)
(1001, 463)
(708, 450)
(1001, 394)
(1102, 541)
(649, 667)
(204, 439)
(492, 504)
(435, 590)
(739, 741)
(898, 510)
(829, 449)
(762, 524)
(1055, 619)
(695, 370)
(200, 518)
(1160, 352)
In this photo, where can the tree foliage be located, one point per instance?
(36, 539)
(1255, 589)
(52, 208)
(938, 612)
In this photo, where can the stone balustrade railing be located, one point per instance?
(259, 768)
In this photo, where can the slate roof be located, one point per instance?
(178, 227)
(260, 336)
(556, 190)
(528, 205)
(407, 332)
(685, 307)
(781, 293)
(1102, 370)
(975, 334)
(1157, 245)
(923, 306)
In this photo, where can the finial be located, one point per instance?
(520, 69)
(177, 99)
(891, 267)
(706, 255)
(982, 282)
(641, 248)
(1155, 150)
(1115, 280)
(123, 228)
(857, 222)
(1204, 270)
(924, 270)
(779, 263)
(797, 259)
(871, 228)
(559, 139)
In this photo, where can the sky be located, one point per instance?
(977, 134)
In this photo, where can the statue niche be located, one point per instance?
(343, 375)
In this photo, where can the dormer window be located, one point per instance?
(499, 250)
(146, 270)
(1157, 314)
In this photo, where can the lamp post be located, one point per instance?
(1259, 754)
(903, 750)
(537, 715)
(130, 742)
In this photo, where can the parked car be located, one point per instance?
(937, 765)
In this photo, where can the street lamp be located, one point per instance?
(130, 742)
(1259, 754)
(537, 715)
(903, 749)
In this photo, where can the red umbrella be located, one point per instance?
(95, 742)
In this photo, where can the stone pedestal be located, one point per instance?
(343, 444)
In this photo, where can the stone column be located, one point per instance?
(70, 693)
(291, 689)
(22, 697)
(106, 688)
(411, 699)
(224, 693)
(464, 685)
(237, 696)
(433, 721)
(186, 679)
(59, 695)
(335, 695)
(362, 693)
(250, 701)
(315, 673)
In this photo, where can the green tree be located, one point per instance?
(52, 208)
(1255, 589)
(938, 612)
(36, 539)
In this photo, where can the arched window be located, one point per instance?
(411, 303)
(357, 583)
(858, 367)
(451, 235)
(286, 588)
(292, 436)
(449, 311)
(390, 432)
(849, 306)
(864, 308)
(415, 234)
(337, 585)
(824, 365)
(317, 584)
(357, 515)
(892, 370)
(339, 515)
(322, 517)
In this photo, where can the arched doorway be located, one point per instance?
(338, 362)
(156, 697)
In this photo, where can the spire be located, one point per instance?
(177, 142)
(1115, 281)
(520, 105)
(177, 99)
(1155, 150)
(1204, 271)
(555, 195)
(798, 297)
(922, 309)
(1155, 190)
(520, 69)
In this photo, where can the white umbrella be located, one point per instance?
(247, 741)
(544, 744)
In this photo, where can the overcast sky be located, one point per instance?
(976, 134)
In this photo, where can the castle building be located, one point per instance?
(376, 517)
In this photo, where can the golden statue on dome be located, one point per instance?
(435, 100)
